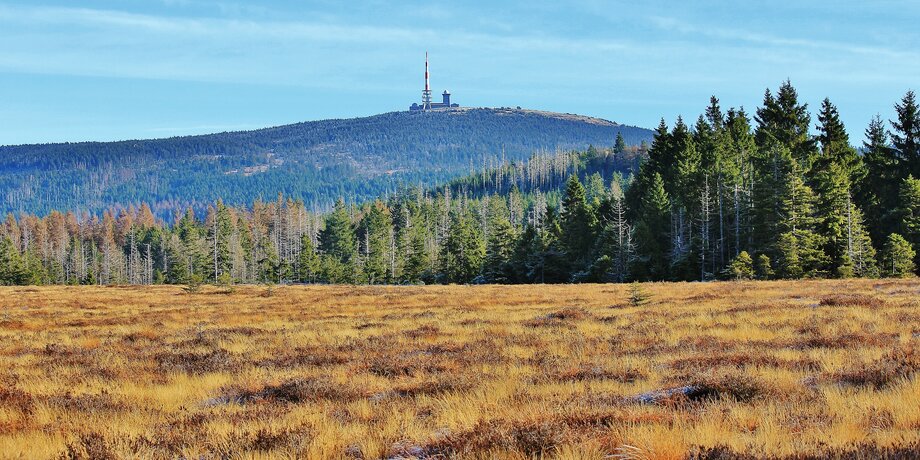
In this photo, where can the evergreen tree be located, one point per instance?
(463, 251)
(898, 257)
(878, 191)
(619, 146)
(500, 247)
(309, 261)
(652, 233)
(785, 121)
(616, 244)
(12, 268)
(910, 211)
(337, 239)
(906, 134)
(578, 223)
(741, 267)
(374, 242)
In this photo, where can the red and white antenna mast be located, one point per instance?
(426, 94)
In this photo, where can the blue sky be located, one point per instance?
(124, 69)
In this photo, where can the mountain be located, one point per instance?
(316, 161)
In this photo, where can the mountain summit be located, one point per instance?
(316, 161)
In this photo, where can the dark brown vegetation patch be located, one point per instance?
(307, 356)
(296, 391)
(88, 403)
(592, 372)
(531, 438)
(855, 452)
(852, 300)
(196, 363)
(11, 397)
(559, 318)
(813, 338)
(426, 331)
(406, 364)
(900, 363)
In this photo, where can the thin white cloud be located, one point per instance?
(677, 25)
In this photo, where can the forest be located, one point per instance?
(732, 196)
(315, 162)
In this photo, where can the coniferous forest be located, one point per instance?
(781, 193)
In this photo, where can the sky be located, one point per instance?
(129, 69)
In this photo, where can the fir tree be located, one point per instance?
(906, 134)
(308, 261)
(910, 211)
(652, 233)
(898, 257)
(578, 223)
(877, 194)
(337, 240)
(463, 251)
(741, 267)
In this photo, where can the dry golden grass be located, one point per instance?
(768, 369)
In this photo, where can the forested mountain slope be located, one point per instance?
(316, 161)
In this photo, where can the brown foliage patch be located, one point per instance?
(851, 300)
(297, 391)
(897, 364)
(14, 398)
(196, 363)
(531, 438)
(589, 372)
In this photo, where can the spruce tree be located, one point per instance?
(578, 223)
(12, 268)
(784, 120)
(463, 251)
(652, 233)
(877, 192)
(619, 146)
(910, 211)
(898, 257)
(374, 242)
(337, 239)
(906, 134)
(499, 249)
(308, 261)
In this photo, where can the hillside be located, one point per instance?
(315, 161)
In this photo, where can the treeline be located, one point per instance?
(728, 197)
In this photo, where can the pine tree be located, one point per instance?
(616, 242)
(652, 233)
(741, 267)
(910, 211)
(898, 257)
(220, 228)
(374, 242)
(784, 121)
(877, 192)
(309, 261)
(578, 223)
(497, 267)
(619, 146)
(906, 134)
(12, 269)
(463, 251)
(337, 239)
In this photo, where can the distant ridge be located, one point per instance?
(316, 161)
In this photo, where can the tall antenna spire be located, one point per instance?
(426, 94)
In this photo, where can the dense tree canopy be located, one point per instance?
(723, 199)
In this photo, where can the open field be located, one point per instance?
(770, 369)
